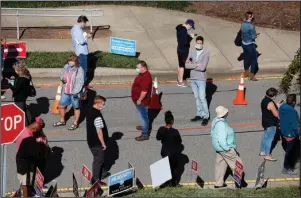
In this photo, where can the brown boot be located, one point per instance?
(246, 74)
(252, 77)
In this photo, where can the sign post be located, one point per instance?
(12, 124)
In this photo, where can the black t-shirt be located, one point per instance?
(268, 118)
(171, 141)
(92, 136)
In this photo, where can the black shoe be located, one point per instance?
(105, 175)
(205, 122)
(196, 118)
(223, 186)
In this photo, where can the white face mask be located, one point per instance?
(138, 71)
(101, 108)
(71, 63)
(199, 46)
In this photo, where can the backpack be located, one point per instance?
(238, 39)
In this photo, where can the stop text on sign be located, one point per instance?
(11, 123)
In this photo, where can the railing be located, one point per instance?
(17, 14)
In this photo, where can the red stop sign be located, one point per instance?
(12, 123)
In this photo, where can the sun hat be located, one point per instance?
(221, 111)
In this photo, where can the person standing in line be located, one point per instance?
(72, 77)
(270, 115)
(171, 146)
(97, 136)
(224, 144)
(183, 39)
(20, 88)
(141, 96)
(80, 42)
(197, 61)
(289, 125)
(3, 42)
(249, 46)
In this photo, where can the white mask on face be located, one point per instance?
(138, 71)
(101, 108)
(71, 63)
(199, 46)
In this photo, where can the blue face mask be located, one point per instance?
(101, 108)
(138, 71)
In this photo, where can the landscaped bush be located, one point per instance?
(293, 69)
(58, 59)
(176, 5)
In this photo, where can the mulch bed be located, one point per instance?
(281, 15)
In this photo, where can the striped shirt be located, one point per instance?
(98, 123)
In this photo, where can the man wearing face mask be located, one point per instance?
(183, 39)
(197, 61)
(97, 136)
(289, 125)
(80, 42)
(249, 46)
(141, 96)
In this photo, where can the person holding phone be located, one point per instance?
(73, 79)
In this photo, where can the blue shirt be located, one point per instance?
(79, 42)
(248, 33)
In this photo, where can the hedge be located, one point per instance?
(97, 59)
(293, 69)
(174, 5)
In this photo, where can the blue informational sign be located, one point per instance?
(121, 181)
(122, 46)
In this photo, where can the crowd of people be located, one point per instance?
(33, 149)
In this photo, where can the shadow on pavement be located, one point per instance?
(112, 151)
(210, 91)
(39, 108)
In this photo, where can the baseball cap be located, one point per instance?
(190, 22)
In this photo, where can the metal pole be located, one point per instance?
(18, 31)
(3, 170)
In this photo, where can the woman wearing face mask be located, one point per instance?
(73, 79)
(269, 122)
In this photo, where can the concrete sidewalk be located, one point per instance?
(154, 31)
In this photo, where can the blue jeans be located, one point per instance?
(83, 61)
(250, 58)
(143, 115)
(199, 91)
(267, 140)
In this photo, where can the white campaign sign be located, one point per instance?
(160, 172)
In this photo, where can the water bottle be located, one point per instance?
(12, 80)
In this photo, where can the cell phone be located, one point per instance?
(195, 34)
(282, 101)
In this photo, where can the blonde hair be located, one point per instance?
(22, 70)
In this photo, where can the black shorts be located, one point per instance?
(182, 57)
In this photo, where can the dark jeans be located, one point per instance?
(290, 153)
(83, 61)
(250, 57)
(22, 105)
(97, 165)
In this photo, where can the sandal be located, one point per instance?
(73, 127)
(59, 123)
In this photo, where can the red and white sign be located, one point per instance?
(15, 50)
(39, 182)
(194, 166)
(86, 173)
(238, 172)
(12, 123)
(93, 191)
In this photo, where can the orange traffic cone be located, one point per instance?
(155, 101)
(240, 96)
(55, 107)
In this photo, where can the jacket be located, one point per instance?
(248, 33)
(79, 79)
(289, 121)
(223, 136)
(198, 73)
(21, 88)
(183, 39)
(79, 41)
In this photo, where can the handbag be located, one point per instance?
(31, 90)
(238, 39)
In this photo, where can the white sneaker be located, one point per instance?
(179, 84)
(3, 97)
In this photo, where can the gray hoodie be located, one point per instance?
(198, 73)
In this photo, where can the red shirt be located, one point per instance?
(143, 82)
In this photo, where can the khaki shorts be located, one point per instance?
(22, 178)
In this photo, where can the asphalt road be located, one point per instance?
(121, 116)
